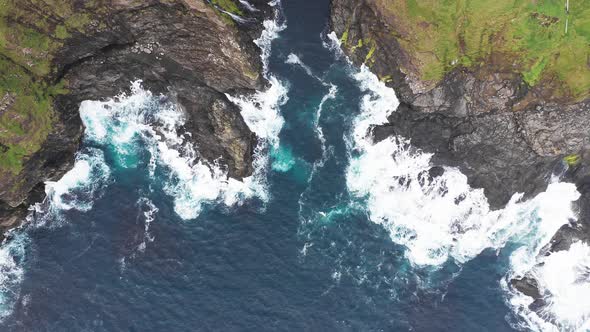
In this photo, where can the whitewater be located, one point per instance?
(442, 218)
(332, 231)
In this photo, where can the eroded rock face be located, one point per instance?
(504, 135)
(182, 48)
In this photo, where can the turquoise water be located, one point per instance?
(156, 251)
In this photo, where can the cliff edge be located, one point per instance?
(499, 89)
(55, 54)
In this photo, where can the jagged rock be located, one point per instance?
(504, 135)
(183, 48)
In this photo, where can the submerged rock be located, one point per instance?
(188, 50)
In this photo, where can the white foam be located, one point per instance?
(127, 120)
(261, 110)
(564, 281)
(271, 31)
(12, 254)
(319, 163)
(333, 43)
(293, 59)
(149, 210)
(77, 189)
(320, 133)
(563, 277)
(445, 219)
(435, 219)
(140, 120)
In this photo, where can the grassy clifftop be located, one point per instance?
(31, 32)
(538, 38)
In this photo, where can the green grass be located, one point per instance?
(344, 38)
(31, 34)
(527, 36)
(228, 5)
(572, 159)
(24, 126)
(29, 41)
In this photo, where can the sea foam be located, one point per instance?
(442, 218)
(139, 120)
(563, 280)
(261, 110)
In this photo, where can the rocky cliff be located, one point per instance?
(500, 90)
(55, 54)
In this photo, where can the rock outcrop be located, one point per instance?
(485, 115)
(190, 50)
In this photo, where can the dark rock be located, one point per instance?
(503, 135)
(182, 49)
(527, 286)
(435, 172)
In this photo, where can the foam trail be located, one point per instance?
(149, 210)
(319, 163)
(320, 133)
(271, 31)
(295, 60)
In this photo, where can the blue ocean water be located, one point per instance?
(307, 259)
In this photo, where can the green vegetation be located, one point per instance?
(572, 159)
(371, 51)
(228, 5)
(26, 115)
(359, 44)
(344, 38)
(386, 79)
(526, 36)
(31, 32)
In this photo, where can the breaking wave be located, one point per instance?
(436, 217)
(12, 256)
(78, 188)
(261, 110)
(128, 123)
(563, 279)
(440, 218)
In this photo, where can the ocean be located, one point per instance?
(333, 232)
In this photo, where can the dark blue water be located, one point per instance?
(245, 268)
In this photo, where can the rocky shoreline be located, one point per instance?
(503, 134)
(189, 50)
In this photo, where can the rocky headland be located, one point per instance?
(499, 90)
(55, 54)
